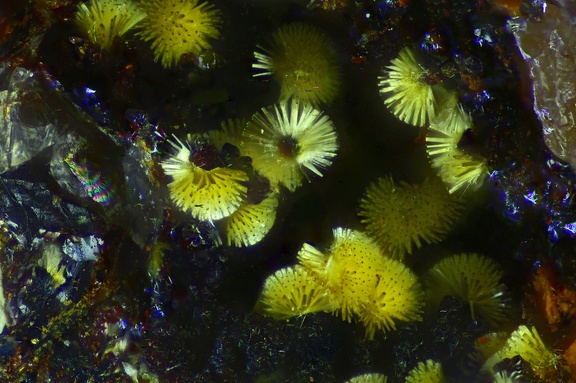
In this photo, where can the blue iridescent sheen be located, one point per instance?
(546, 190)
(87, 99)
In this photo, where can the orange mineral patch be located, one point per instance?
(558, 302)
(570, 358)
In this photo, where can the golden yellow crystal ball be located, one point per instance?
(402, 216)
(177, 27)
(104, 20)
(301, 59)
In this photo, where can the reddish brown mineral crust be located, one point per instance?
(558, 302)
(570, 358)
(512, 6)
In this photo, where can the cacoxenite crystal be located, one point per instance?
(105, 280)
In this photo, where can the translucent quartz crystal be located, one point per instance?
(25, 125)
(549, 47)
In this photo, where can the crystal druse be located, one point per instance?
(121, 260)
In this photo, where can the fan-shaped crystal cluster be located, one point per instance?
(399, 216)
(283, 141)
(355, 280)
